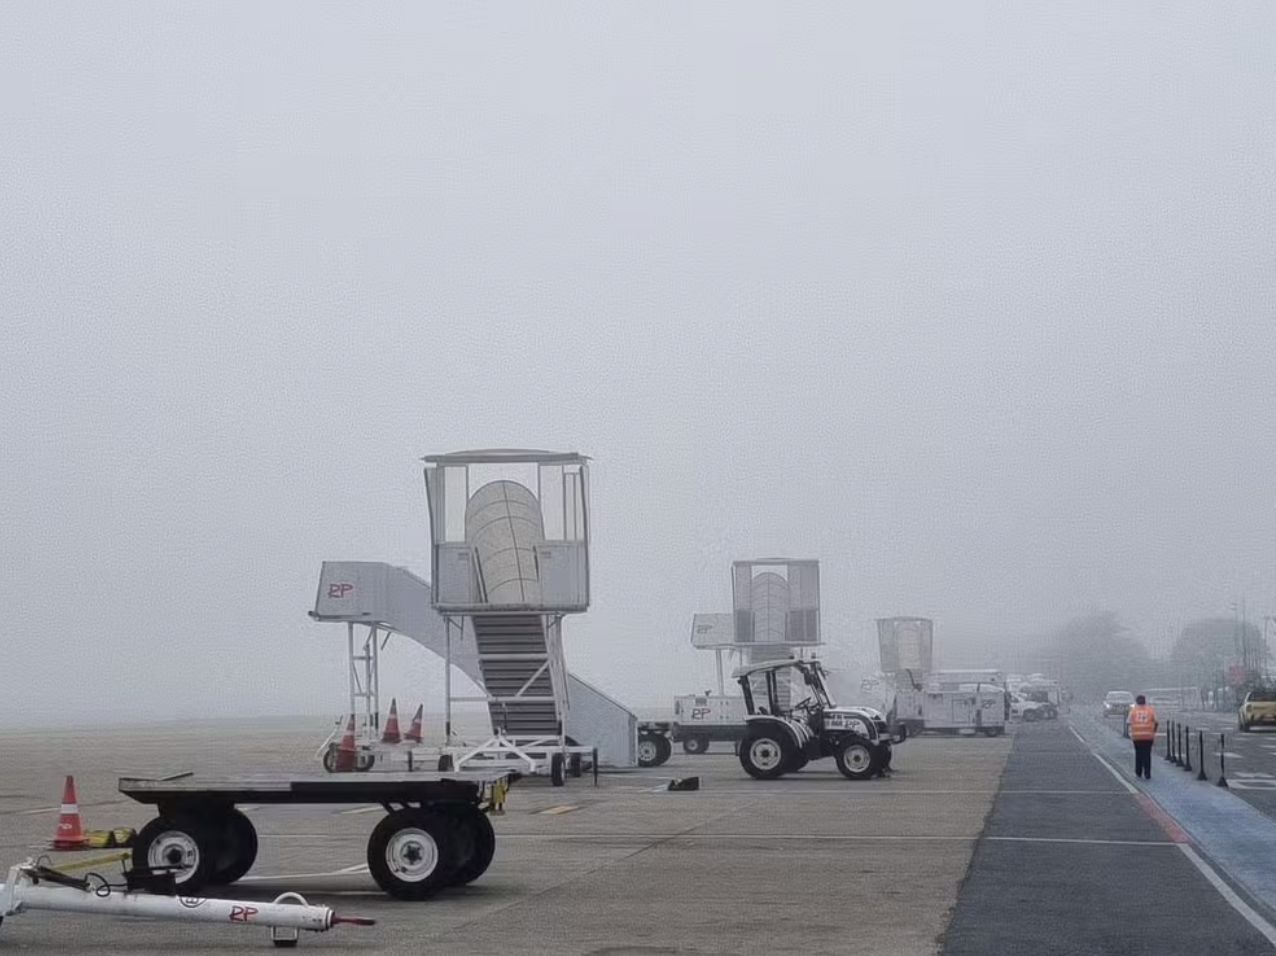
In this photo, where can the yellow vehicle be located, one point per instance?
(1258, 707)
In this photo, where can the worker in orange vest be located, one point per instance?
(1142, 724)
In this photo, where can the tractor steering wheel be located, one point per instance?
(806, 703)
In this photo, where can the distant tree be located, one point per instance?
(1096, 653)
(1204, 647)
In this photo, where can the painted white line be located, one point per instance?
(1265, 928)
(327, 875)
(27, 813)
(1074, 733)
(1116, 773)
(684, 836)
(1077, 840)
(639, 839)
(357, 868)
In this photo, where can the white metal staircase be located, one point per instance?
(517, 663)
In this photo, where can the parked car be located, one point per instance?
(1021, 708)
(1117, 703)
(1041, 696)
(1258, 707)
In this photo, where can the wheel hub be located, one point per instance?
(174, 849)
(765, 754)
(858, 758)
(412, 855)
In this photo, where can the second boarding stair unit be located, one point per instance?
(510, 557)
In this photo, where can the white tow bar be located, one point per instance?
(30, 887)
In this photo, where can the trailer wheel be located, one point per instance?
(330, 758)
(856, 759)
(181, 844)
(556, 775)
(574, 764)
(240, 848)
(695, 745)
(364, 761)
(653, 750)
(765, 754)
(412, 853)
(476, 843)
(446, 763)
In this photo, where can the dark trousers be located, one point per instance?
(1143, 758)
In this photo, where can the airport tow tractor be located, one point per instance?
(435, 834)
(777, 742)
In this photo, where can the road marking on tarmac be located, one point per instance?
(1229, 894)
(27, 813)
(554, 811)
(353, 810)
(1182, 840)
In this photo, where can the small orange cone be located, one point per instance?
(391, 734)
(346, 750)
(70, 834)
(414, 732)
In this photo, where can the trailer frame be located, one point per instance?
(435, 834)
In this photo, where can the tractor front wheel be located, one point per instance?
(857, 759)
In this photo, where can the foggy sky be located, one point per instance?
(972, 302)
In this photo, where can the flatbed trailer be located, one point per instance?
(435, 834)
(657, 737)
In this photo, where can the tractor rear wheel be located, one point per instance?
(766, 754)
(857, 759)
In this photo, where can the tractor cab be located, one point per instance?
(792, 719)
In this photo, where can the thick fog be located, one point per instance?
(972, 302)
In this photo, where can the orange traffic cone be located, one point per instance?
(70, 834)
(346, 750)
(391, 734)
(414, 732)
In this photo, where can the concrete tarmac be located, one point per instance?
(808, 864)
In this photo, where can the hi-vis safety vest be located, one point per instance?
(1142, 722)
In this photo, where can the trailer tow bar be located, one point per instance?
(31, 887)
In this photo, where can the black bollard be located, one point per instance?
(1200, 753)
(1177, 759)
(1187, 749)
(1222, 773)
(1169, 755)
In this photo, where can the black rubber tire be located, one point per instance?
(664, 748)
(648, 750)
(475, 841)
(446, 764)
(439, 828)
(797, 761)
(775, 738)
(240, 840)
(695, 745)
(364, 761)
(857, 758)
(557, 776)
(330, 759)
(574, 765)
(197, 829)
